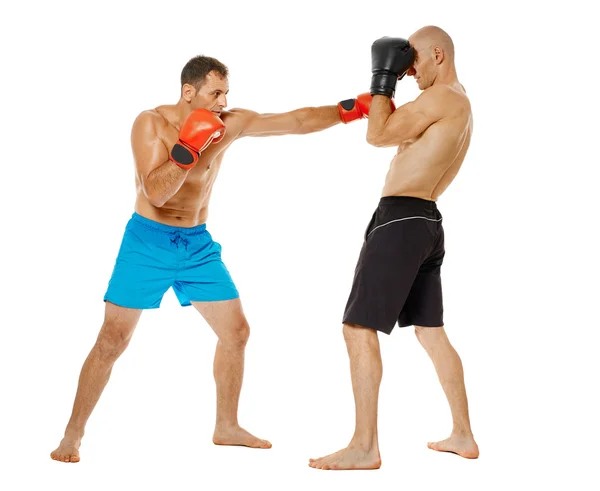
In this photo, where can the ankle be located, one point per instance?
(74, 433)
(365, 442)
(462, 431)
(226, 424)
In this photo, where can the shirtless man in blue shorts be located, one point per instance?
(178, 150)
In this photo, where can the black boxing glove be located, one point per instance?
(390, 60)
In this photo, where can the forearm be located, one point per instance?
(378, 116)
(163, 182)
(312, 119)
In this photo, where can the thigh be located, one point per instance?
(424, 305)
(225, 317)
(119, 322)
(144, 269)
(204, 277)
(388, 265)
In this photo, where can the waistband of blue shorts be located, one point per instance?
(167, 229)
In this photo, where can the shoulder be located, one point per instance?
(438, 93)
(150, 124)
(445, 100)
(149, 119)
(238, 119)
(237, 115)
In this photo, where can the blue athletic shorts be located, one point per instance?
(154, 257)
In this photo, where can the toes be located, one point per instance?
(258, 443)
(328, 462)
(65, 456)
(439, 446)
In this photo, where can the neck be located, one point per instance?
(182, 110)
(446, 75)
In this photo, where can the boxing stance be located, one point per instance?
(178, 151)
(397, 278)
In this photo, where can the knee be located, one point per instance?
(429, 336)
(238, 335)
(357, 334)
(349, 333)
(113, 338)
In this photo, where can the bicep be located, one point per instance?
(408, 121)
(149, 152)
(412, 119)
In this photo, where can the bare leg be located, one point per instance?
(366, 371)
(449, 369)
(117, 329)
(229, 323)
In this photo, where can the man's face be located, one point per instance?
(213, 94)
(423, 68)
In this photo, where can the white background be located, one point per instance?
(520, 275)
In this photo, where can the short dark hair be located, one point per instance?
(195, 71)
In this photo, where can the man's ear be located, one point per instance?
(188, 92)
(439, 55)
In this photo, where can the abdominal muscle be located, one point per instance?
(189, 206)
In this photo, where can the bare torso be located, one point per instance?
(426, 165)
(189, 205)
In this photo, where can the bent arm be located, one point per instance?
(160, 178)
(297, 122)
(387, 129)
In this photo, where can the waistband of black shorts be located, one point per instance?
(410, 204)
(167, 229)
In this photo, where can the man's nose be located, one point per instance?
(223, 100)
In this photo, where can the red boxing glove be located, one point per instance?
(353, 109)
(201, 128)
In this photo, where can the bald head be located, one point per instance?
(431, 37)
(434, 57)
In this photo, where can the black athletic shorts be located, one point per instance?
(397, 278)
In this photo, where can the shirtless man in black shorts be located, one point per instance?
(397, 278)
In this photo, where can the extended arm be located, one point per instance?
(297, 122)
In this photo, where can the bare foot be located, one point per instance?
(349, 458)
(464, 446)
(234, 435)
(68, 450)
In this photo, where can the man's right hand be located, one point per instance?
(201, 128)
(353, 109)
